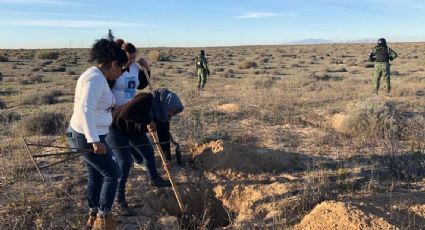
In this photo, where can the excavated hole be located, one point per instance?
(203, 209)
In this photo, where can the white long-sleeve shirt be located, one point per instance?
(92, 105)
(125, 86)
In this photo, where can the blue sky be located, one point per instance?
(65, 23)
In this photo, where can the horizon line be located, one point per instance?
(295, 43)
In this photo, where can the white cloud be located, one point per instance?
(71, 23)
(250, 15)
(26, 13)
(259, 15)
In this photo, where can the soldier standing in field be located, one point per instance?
(202, 68)
(382, 55)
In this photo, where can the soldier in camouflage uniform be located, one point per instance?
(202, 68)
(382, 55)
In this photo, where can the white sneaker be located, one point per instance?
(140, 166)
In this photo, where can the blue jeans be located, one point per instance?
(102, 170)
(118, 138)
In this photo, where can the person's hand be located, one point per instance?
(151, 127)
(167, 165)
(99, 147)
(142, 62)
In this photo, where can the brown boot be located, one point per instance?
(105, 222)
(91, 220)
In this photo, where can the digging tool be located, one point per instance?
(167, 170)
(73, 153)
(32, 158)
(88, 150)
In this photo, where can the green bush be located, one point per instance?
(48, 55)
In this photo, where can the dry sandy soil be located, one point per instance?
(283, 137)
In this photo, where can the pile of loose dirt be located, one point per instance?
(418, 210)
(341, 215)
(219, 156)
(229, 108)
(251, 201)
(337, 122)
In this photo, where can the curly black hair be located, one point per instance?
(105, 51)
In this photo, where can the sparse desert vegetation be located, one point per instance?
(292, 137)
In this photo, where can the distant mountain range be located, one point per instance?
(324, 41)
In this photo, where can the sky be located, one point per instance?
(203, 23)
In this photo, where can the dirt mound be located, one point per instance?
(337, 122)
(418, 210)
(250, 201)
(221, 156)
(229, 108)
(341, 215)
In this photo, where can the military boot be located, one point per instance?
(105, 222)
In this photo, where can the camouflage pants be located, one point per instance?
(382, 69)
(202, 77)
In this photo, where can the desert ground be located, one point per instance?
(282, 137)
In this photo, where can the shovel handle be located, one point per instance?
(173, 185)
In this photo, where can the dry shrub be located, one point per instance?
(155, 56)
(24, 82)
(8, 92)
(248, 65)
(1, 76)
(375, 119)
(8, 117)
(3, 58)
(229, 73)
(368, 65)
(415, 131)
(219, 69)
(337, 70)
(48, 55)
(410, 166)
(44, 123)
(70, 72)
(2, 104)
(325, 77)
(55, 69)
(42, 98)
(36, 79)
(264, 83)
